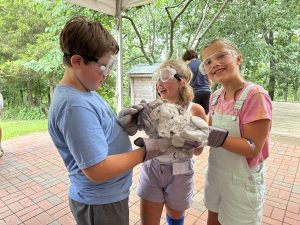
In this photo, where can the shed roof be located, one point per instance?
(144, 68)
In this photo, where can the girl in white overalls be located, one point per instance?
(235, 179)
(168, 179)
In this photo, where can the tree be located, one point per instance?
(266, 31)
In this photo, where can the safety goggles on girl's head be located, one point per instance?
(166, 74)
(219, 58)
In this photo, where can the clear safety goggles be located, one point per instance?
(220, 58)
(104, 69)
(166, 74)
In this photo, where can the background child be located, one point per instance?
(200, 82)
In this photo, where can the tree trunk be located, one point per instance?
(272, 81)
(296, 94)
(22, 96)
(286, 91)
(296, 91)
(271, 87)
(29, 90)
(196, 44)
(51, 89)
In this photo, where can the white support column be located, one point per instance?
(119, 84)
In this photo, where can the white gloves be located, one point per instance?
(196, 135)
(200, 135)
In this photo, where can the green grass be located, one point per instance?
(15, 128)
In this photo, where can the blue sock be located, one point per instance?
(175, 222)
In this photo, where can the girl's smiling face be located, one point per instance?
(169, 89)
(172, 82)
(213, 57)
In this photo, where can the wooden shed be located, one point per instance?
(142, 85)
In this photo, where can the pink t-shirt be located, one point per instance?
(257, 106)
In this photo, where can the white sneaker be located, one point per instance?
(1, 152)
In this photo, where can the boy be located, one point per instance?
(93, 145)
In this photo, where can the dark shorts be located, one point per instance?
(107, 214)
(202, 98)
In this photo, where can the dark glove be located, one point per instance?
(217, 136)
(153, 147)
(128, 118)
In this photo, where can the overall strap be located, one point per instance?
(240, 101)
(215, 98)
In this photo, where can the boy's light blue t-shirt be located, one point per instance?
(85, 131)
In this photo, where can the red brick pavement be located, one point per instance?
(34, 185)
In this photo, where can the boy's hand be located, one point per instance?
(128, 118)
(144, 120)
(154, 147)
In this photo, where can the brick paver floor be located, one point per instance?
(34, 185)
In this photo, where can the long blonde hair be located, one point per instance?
(186, 93)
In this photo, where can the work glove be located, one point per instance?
(128, 117)
(154, 147)
(144, 118)
(193, 136)
(217, 136)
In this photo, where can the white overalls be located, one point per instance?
(232, 189)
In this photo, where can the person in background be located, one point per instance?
(200, 82)
(1, 108)
(92, 142)
(235, 178)
(167, 180)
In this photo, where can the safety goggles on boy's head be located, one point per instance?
(166, 74)
(104, 69)
(220, 58)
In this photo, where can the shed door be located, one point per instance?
(143, 89)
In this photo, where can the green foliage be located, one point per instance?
(31, 61)
(108, 90)
(23, 113)
(15, 128)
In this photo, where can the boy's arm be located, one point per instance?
(114, 165)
